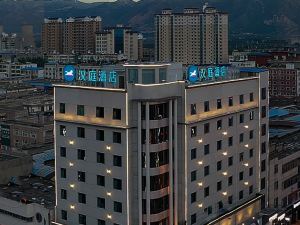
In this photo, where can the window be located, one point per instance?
(241, 176)
(251, 134)
(251, 153)
(162, 75)
(263, 147)
(81, 176)
(80, 154)
(193, 197)
(263, 111)
(193, 153)
(219, 145)
(62, 130)
(101, 203)
(250, 189)
(241, 137)
(100, 157)
(80, 110)
(193, 109)
(230, 121)
(276, 185)
(193, 131)
(230, 199)
(219, 165)
(100, 112)
(276, 169)
(206, 106)
(206, 149)
(206, 192)
(206, 170)
(219, 185)
(230, 101)
(80, 132)
(251, 96)
(100, 135)
(206, 128)
(62, 108)
(63, 194)
(219, 103)
(116, 114)
(117, 161)
(63, 152)
(230, 161)
(241, 156)
(219, 124)
(230, 141)
(82, 198)
(118, 207)
(262, 183)
(100, 180)
(148, 76)
(251, 115)
(263, 165)
(230, 180)
(193, 175)
(117, 184)
(241, 195)
(63, 173)
(132, 76)
(241, 99)
(64, 215)
(250, 171)
(241, 118)
(263, 93)
(117, 137)
(193, 218)
(263, 129)
(82, 219)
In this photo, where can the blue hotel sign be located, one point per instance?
(197, 74)
(71, 74)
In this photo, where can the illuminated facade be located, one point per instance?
(192, 37)
(161, 150)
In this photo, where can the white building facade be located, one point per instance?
(162, 150)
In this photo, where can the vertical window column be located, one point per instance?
(140, 169)
(147, 164)
(171, 205)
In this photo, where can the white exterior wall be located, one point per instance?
(179, 96)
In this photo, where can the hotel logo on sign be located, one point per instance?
(199, 74)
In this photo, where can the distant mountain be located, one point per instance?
(276, 18)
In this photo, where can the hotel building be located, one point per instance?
(162, 150)
(192, 37)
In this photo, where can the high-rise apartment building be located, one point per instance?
(80, 34)
(120, 40)
(164, 149)
(75, 35)
(192, 37)
(52, 35)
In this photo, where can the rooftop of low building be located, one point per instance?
(30, 190)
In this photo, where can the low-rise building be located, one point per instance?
(27, 201)
(284, 81)
(284, 160)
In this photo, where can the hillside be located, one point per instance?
(277, 18)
